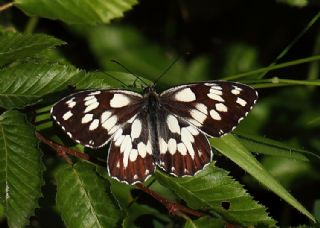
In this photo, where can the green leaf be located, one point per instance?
(235, 151)
(14, 46)
(83, 198)
(213, 189)
(205, 222)
(20, 168)
(25, 84)
(141, 56)
(76, 11)
(263, 145)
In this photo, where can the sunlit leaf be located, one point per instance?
(76, 11)
(213, 189)
(14, 46)
(235, 151)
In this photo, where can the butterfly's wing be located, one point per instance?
(130, 157)
(92, 117)
(183, 149)
(215, 107)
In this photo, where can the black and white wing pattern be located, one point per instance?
(92, 117)
(183, 148)
(214, 107)
(130, 157)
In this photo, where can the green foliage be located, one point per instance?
(82, 194)
(76, 11)
(20, 169)
(211, 189)
(33, 75)
(15, 46)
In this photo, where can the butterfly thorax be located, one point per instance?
(152, 107)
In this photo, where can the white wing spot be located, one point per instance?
(119, 140)
(119, 100)
(87, 118)
(172, 146)
(72, 104)
(163, 146)
(215, 91)
(147, 172)
(241, 102)
(202, 108)
(91, 107)
(69, 134)
(95, 92)
(198, 116)
(216, 87)
(135, 176)
(235, 91)
(108, 124)
(182, 149)
(67, 115)
(113, 130)
(193, 130)
(133, 155)
(125, 148)
(187, 139)
(194, 122)
(105, 115)
(90, 101)
(117, 134)
(215, 97)
(142, 149)
(136, 129)
(94, 125)
(89, 98)
(215, 115)
(221, 107)
(173, 124)
(185, 95)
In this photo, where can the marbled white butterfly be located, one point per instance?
(150, 130)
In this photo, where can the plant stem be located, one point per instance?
(174, 208)
(31, 25)
(6, 6)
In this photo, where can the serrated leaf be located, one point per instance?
(25, 84)
(84, 198)
(235, 151)
(14, 46)
(213, 189)
(76, 11)
(205, 222)
(20, 168)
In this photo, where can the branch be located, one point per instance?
(63, 151)
(6, 6)
(173, 208)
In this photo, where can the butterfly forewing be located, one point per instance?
(183, 149)
(92, 117)
(130, 157)
(215, 107)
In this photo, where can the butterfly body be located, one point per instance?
(166, 130)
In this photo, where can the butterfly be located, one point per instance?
(149, 130)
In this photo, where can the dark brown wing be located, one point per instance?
(215, 107)
(92, 117)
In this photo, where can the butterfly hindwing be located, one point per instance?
(92, 117)
(130, 157)
(215, 107)
(183, 149)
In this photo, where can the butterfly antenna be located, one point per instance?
(168, 68)
(113, 77)
(116, 62)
